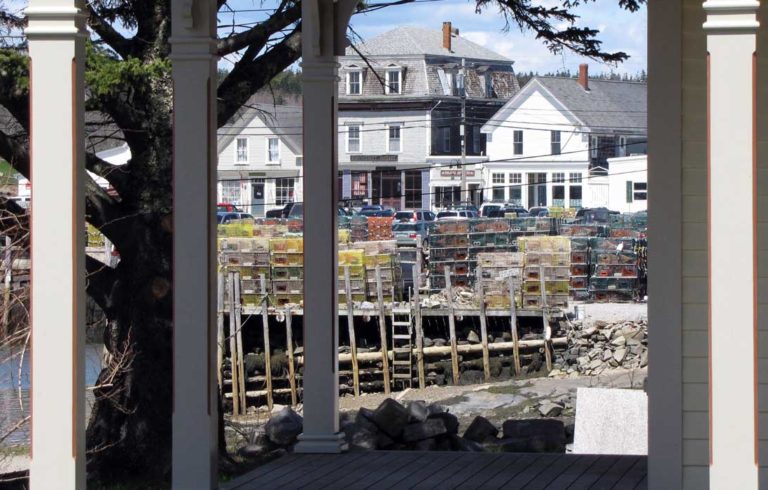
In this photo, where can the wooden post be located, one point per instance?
(382, 331)
(233, 345)
(351, 330)
(544, 319)
(265, 328)
(417, 265)
(419, 328)
(547, 341)
(220, 330)
(239, 342)
(513, 324)
(483, 326)
(452, 327)
(8, 266)
(289, 349)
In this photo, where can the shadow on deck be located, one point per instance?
(393, 469)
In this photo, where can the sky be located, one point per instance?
(619, 30)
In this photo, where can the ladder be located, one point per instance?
(402, 347)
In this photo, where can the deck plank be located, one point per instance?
(372, 458)
(583, 464)
(610, 478)
(319, 469)
(443, 470)
(559, 466)
(512, 465)
(471, 463)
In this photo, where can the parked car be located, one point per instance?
(539, 212)
(407, 233)
(467, 206)
(377, 213)
(487, 207)
(371, 207)
(508, 211)
(225, 207)
(456, 214)
(595, 215)
(415, 215)
(224, 218)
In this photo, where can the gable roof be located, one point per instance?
(284, 120)
(410, 40)
(609, 105)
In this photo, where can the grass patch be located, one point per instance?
(509, 389)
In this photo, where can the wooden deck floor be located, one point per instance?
(443, 470)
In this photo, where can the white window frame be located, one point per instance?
(268, 159)
(497, 178)
(280, 189)
(515, 134)
(556, 141)
(359, 72)
(359, 127)
(575, 177)
(558, 177)
(237, 152)
(231, 189)
(400, 137)
(388, 88)
(515, 178)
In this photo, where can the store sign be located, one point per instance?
(456, 173)
(373, 158)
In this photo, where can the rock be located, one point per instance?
(600, 324)
(252, 451)
(425, 445)
(435, 408)
(569, 431)
(364, 439)
(480, 429)
(619, 355)
(506, 336)
(473, 338)
(428, 342)
(594, 354)
(555, 373)
(607, 355)
(619, 341)
(391, 417)
(284, 427)
(549, 409)
(588, 332)
(644, 359)
(513, 445)
(595, 364)
(471, 377)
(364, 421)
(439, 342)
(417, 410)
(424, 430)
(543, 435)
(383, 441)
(450, 420)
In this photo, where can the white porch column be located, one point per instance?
(324, 24)
(194, 246)
(56, 36)
(731, 28)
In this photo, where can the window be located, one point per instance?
(630, 191)
(354, 82)
(575, 196)
(558, 177)
(393, 82)
(284, 188)
(518, 142)
(515, 178)
(498, 193)
(360, 185)
(273, 150)
(353, 138)
(575, 177)
(445, 139)
(413, 189)
(393, 144)
(476, 141)
(230, 191)
(555, 142)
(640, 191)
(489, 86)
(558, 195)
(241, 150)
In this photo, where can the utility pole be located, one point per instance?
(464, 196)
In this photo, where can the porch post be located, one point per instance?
(56, 35)
(324, 24)
(731, 29)
(194, 280)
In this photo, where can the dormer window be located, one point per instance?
(354, 82)
(394, 81)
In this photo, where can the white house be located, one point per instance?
(260, 158)
(628, 183)
(550, 144)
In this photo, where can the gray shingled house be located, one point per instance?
(400, 115)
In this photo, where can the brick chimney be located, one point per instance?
(584, 76)
(447, 35)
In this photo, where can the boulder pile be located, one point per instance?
(416, 426)
(597, 346)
